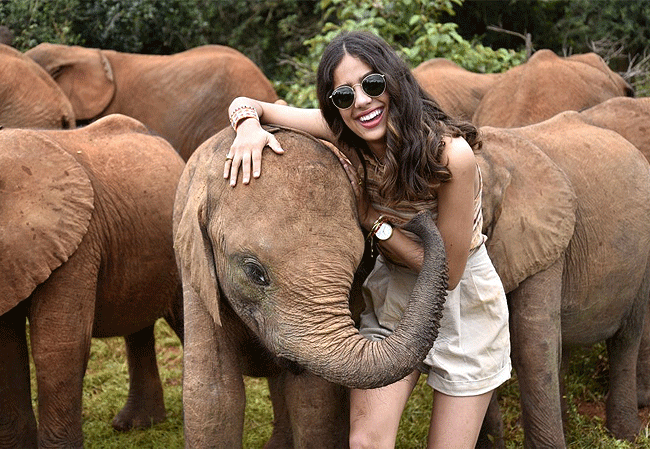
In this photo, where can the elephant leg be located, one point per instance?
(61, 319)
(643, 365)
(318, 411)
(621, 406)
(145, 404)
(491, 434)
(282, 435)
(17, 421)
(535, 332)
(174, 316)
(214, 396)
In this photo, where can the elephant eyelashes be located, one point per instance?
(255, 272)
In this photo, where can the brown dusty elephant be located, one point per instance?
(29, 98)
(546, 85)
(629, 117)
(267, 270)
(566, 211)
(85, 221)
(458, 91)
(182, 97)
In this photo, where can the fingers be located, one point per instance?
(246, 154)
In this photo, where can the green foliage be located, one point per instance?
(36, 21)
(410, 26)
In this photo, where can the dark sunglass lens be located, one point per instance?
(343, 97)
(374, 85)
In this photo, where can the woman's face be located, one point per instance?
(367, 117)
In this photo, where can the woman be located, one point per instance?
(412, 157)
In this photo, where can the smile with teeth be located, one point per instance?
(371, 115)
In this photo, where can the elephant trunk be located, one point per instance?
(356, 362)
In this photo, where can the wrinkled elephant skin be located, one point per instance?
(267, 269)
(86, 252)
(573, 258)
(182, 97)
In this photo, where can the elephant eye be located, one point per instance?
(255, 272)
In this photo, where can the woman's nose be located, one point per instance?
(360, 97)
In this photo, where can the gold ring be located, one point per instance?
(228, 158)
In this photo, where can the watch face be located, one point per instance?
(384, 232)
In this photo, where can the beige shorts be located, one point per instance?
(471, 355)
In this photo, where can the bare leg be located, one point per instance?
(456, 421)
(375, 413)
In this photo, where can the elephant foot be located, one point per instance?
(623, 423)
(138, 417)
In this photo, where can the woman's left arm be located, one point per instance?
(456, 207)
(455, 215)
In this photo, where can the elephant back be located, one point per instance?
(629, 117)
(456, 90)
(46, 202)
(546, 85)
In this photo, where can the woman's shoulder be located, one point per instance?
(457, 153)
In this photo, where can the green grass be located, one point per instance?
(106, 387)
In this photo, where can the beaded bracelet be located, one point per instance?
(240, 113)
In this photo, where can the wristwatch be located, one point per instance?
(384, 231)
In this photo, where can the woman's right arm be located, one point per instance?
(246, 150)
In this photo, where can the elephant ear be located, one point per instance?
(529, 206)
(84, 74)
(192, 244)
(46, 202)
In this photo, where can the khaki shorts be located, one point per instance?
(471, 355)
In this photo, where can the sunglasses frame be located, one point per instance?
(354, 93)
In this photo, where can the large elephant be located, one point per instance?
(267, 270)
(546, 85)
(29, 98)
(85, 220)
(458, 91)
(182, 97)
(566, 211)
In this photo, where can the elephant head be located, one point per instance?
(546, 85)
(84, 74)
(183, 97)
(28, 95)
(282, 252)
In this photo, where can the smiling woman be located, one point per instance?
(403, 155)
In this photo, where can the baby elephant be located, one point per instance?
(86, 251)
(267, 269)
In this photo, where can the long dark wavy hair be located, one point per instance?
(416, 124)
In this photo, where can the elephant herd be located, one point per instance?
(109, 226)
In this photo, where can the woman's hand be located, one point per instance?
(246, 150)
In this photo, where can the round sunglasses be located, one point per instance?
(373, 85)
